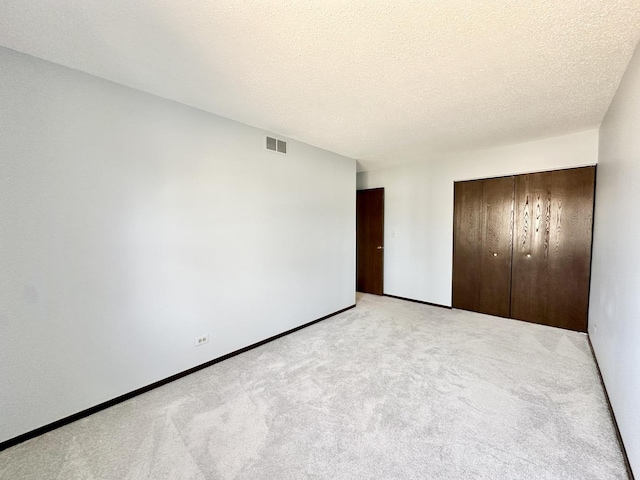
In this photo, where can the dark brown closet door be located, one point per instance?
(483, 222)
(552, 250)
(467, 244)
(497, 228)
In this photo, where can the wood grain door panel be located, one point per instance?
(467, 244)
(552, 247)
(529, 292)
(483, 217)
(495, 257)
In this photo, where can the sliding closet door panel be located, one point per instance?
(552, 247)
(573, 196)
(467, 244)
(529, 289)
(483, 216)
(495, 256)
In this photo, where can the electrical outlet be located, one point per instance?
(201, 340)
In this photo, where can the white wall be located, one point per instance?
(130, 224)
(419, 206)
(614, 313)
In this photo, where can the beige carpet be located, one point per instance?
(388, 390)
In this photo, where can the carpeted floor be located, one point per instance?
(388, 390)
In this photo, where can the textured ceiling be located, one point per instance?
(380, 81)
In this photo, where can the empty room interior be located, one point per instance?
(319, 240)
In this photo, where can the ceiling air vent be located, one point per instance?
(276, 145)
